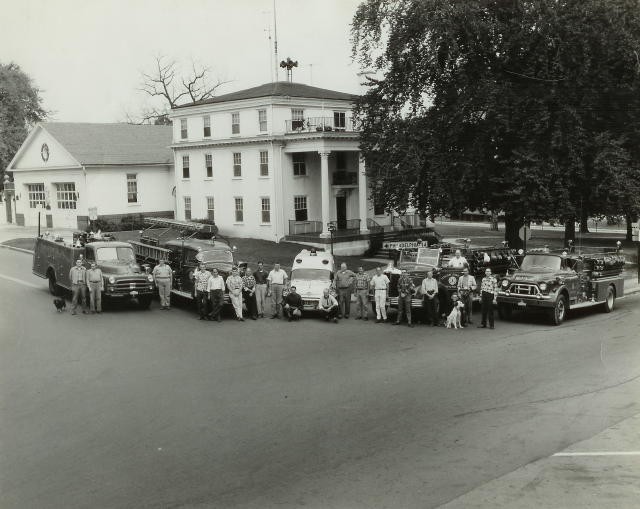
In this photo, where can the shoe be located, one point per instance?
(482, 326)
(335, 320)
(289, 319)
(491, 327)
(201, 318)
(346, 316)
(339, 316)
(99, 312)
(73, 313)
(241, 319)
(396, 323)
(378, 320)
(411, 325)
(358, 318)
(84, 312)
(366, 318)
(470, 322)
(274, 316)
(219, 320)
(254, 318)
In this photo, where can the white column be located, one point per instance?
(325, 189)
(362, 195)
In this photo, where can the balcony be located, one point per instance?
(314, 228)
(320, 125)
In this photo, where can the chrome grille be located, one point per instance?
(130, 284)
(523, 289)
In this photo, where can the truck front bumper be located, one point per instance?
(525, 301)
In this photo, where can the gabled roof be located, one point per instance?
(106, 144)
(277, 89)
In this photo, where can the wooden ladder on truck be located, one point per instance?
(149, 252)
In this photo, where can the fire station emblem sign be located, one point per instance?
(452, 280)
(44, 152)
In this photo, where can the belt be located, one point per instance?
(279, 284)
(94, 282)
(380, 290)
(344, 287)
(163, 277)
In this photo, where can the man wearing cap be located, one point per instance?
(406, 288)
(162, 276)
(293, 305)
(380, 285)
(201, 278)
(234, 284)
(260, 276)
(275, 286)
(362, 282)
(215, 287)
(78, 277)
(95, 282)
(344, 284)
(466, 286)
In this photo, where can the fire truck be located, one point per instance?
(557, 281)
(124, 279)
(183, 245)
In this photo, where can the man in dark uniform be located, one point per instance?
(293, 305)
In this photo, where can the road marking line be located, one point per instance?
(602, 453)
(20, 281)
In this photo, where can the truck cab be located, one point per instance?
(124, 279)
(311, 273)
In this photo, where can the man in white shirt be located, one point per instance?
(215, 287)
(466, 286)
(380, 285)
(328, 306)
(275, 285)
(429, 289)
(458, 261)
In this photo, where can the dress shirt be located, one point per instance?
(405, 284)
(201, 277)
(328, 302)
(78, 275)
(215, 283)
(95, 276)
(277, 277)
(234, 283)
(161, 272)
(467, 283)
(429, 285)
(380, 282)
(344, 278)
(458, 263)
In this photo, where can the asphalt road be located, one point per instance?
(157, 409)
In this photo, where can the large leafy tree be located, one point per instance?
(20, 108)
(521, 106)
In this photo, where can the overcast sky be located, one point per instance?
(86, 55)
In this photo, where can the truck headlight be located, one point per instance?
(505, 283)
(150, 277)
(543, 287)
(112, 280)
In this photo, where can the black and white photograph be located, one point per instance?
(321, 254)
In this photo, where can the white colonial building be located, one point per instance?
(68, 171)
(276, 161)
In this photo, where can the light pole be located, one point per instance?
(331, 226)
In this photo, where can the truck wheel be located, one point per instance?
(144, 302)
(54, 289)
(558, 313)
(610, 300)
(505, 311)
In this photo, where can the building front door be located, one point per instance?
(341, 212)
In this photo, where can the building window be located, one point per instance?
(300, 208)
(132, 188)
(341, 160)
(210, 209)
(266, 210)
(235, 123)
(36, 195)
(378, 207)
(185, 167)
(264, 163)
(66, 195)
(299, 164)
(237, 164)
(262, 120)
(339, 120)
(187, 208)
(239, 210)
(183, 129)
(206, 122)
(208, 162)
(297, 118)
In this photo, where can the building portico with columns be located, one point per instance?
(277, 162)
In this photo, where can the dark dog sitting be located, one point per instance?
(60, 304)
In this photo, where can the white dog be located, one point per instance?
(454, 318)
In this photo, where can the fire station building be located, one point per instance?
(67, 171)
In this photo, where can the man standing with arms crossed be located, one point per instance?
(78, 278)
(466, 286)
(275, 285)
(380, 285)
(344, 285)
(95, 281)
(163, 276)
(362, 293)
(489, 292)
(260, 276)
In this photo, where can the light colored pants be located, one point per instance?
(362, 299)
(95, 297)
(236, 302)
(261, 298)
(381, 304)
(164, 291)
(78, 292)
(276, 298)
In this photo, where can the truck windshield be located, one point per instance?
(541, 261)
(218, 255)
(311, 274)
(109, 254)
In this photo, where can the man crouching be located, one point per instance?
(293, 305)
(328, 306)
